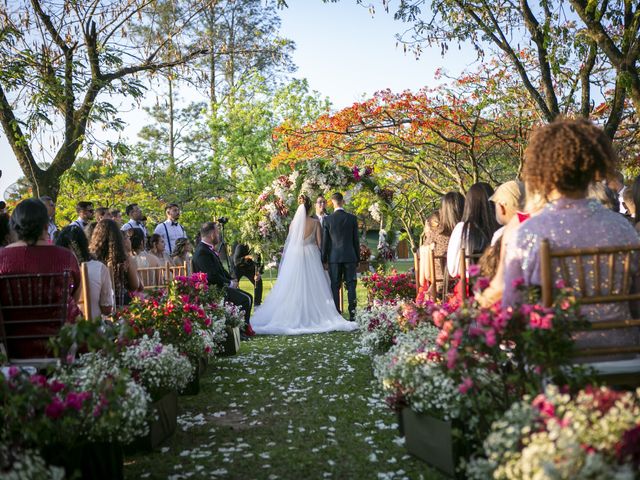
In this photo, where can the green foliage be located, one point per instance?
(106, 186)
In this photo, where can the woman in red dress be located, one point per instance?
(33, 254)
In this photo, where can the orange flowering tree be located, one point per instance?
(423, 144)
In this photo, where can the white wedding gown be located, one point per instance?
(300, 301)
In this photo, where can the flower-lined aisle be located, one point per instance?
(496, 393)
(285, 407)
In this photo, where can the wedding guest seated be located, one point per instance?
(635, 192)
(100, 288)
(116, 216)
(32, 253)
(245, 266)
(506, 200)
(5, 230)
(629, 205)
(560, 162)
(51, 210)
(615, 183)
(182, 253)
(493, 293)
(475, 230)
(156, 248)
(142, 258)
(206, 259)
(599, 191)
(102, 213)
(108, 246)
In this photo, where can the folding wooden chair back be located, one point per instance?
(86, 291)
(462, 269)
(177, 270)
(33, 308)
(432, 261)
(155, 278)
(611, 270)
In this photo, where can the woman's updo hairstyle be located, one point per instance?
(304, 200)
(29, 219)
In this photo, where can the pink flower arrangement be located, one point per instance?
(390, 288)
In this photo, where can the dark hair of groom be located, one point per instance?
(337, 197)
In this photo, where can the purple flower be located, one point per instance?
(55, 409)
(75, 400)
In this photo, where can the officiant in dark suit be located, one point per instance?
(206, 259)
(245, 265)
(341, 250)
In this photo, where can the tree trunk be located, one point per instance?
(172, 140)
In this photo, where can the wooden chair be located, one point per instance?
(155, 278)
(614, 259)
(431, 262)
(86, 291)
(33, 308)
(462, 268)
(177, 271)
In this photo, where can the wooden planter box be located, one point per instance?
(431, 440)
(89, 461)
(231, 345)
(193, 387)
(165, 411)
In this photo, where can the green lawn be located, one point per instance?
(300, 407)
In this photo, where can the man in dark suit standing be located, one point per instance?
(341, 250)
(245, 266)
(205, 259)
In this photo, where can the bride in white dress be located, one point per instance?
(300, 301)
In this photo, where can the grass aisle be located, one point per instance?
(285, 408)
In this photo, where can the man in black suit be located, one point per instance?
(341, 250)
(245, 266)
(205, 259)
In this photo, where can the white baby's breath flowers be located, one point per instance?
(157, 367)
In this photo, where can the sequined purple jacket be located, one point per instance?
(570, 223)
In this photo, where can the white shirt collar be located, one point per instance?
(339, 208)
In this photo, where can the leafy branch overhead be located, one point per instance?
(55, 61)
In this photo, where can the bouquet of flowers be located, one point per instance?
(411, 375)
(179, 321)
(379, 326)
(115, 407)
(592, 434)
(155, 366)
(17, 464)
(97, 401)
(365, 253)
(390, 288)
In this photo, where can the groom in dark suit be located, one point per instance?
(206, 259)
(341, 250)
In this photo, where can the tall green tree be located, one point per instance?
(58, 58)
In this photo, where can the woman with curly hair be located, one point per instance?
(182, 253)
(107, 246)
(560, 162)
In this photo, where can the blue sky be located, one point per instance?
(344, 52)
